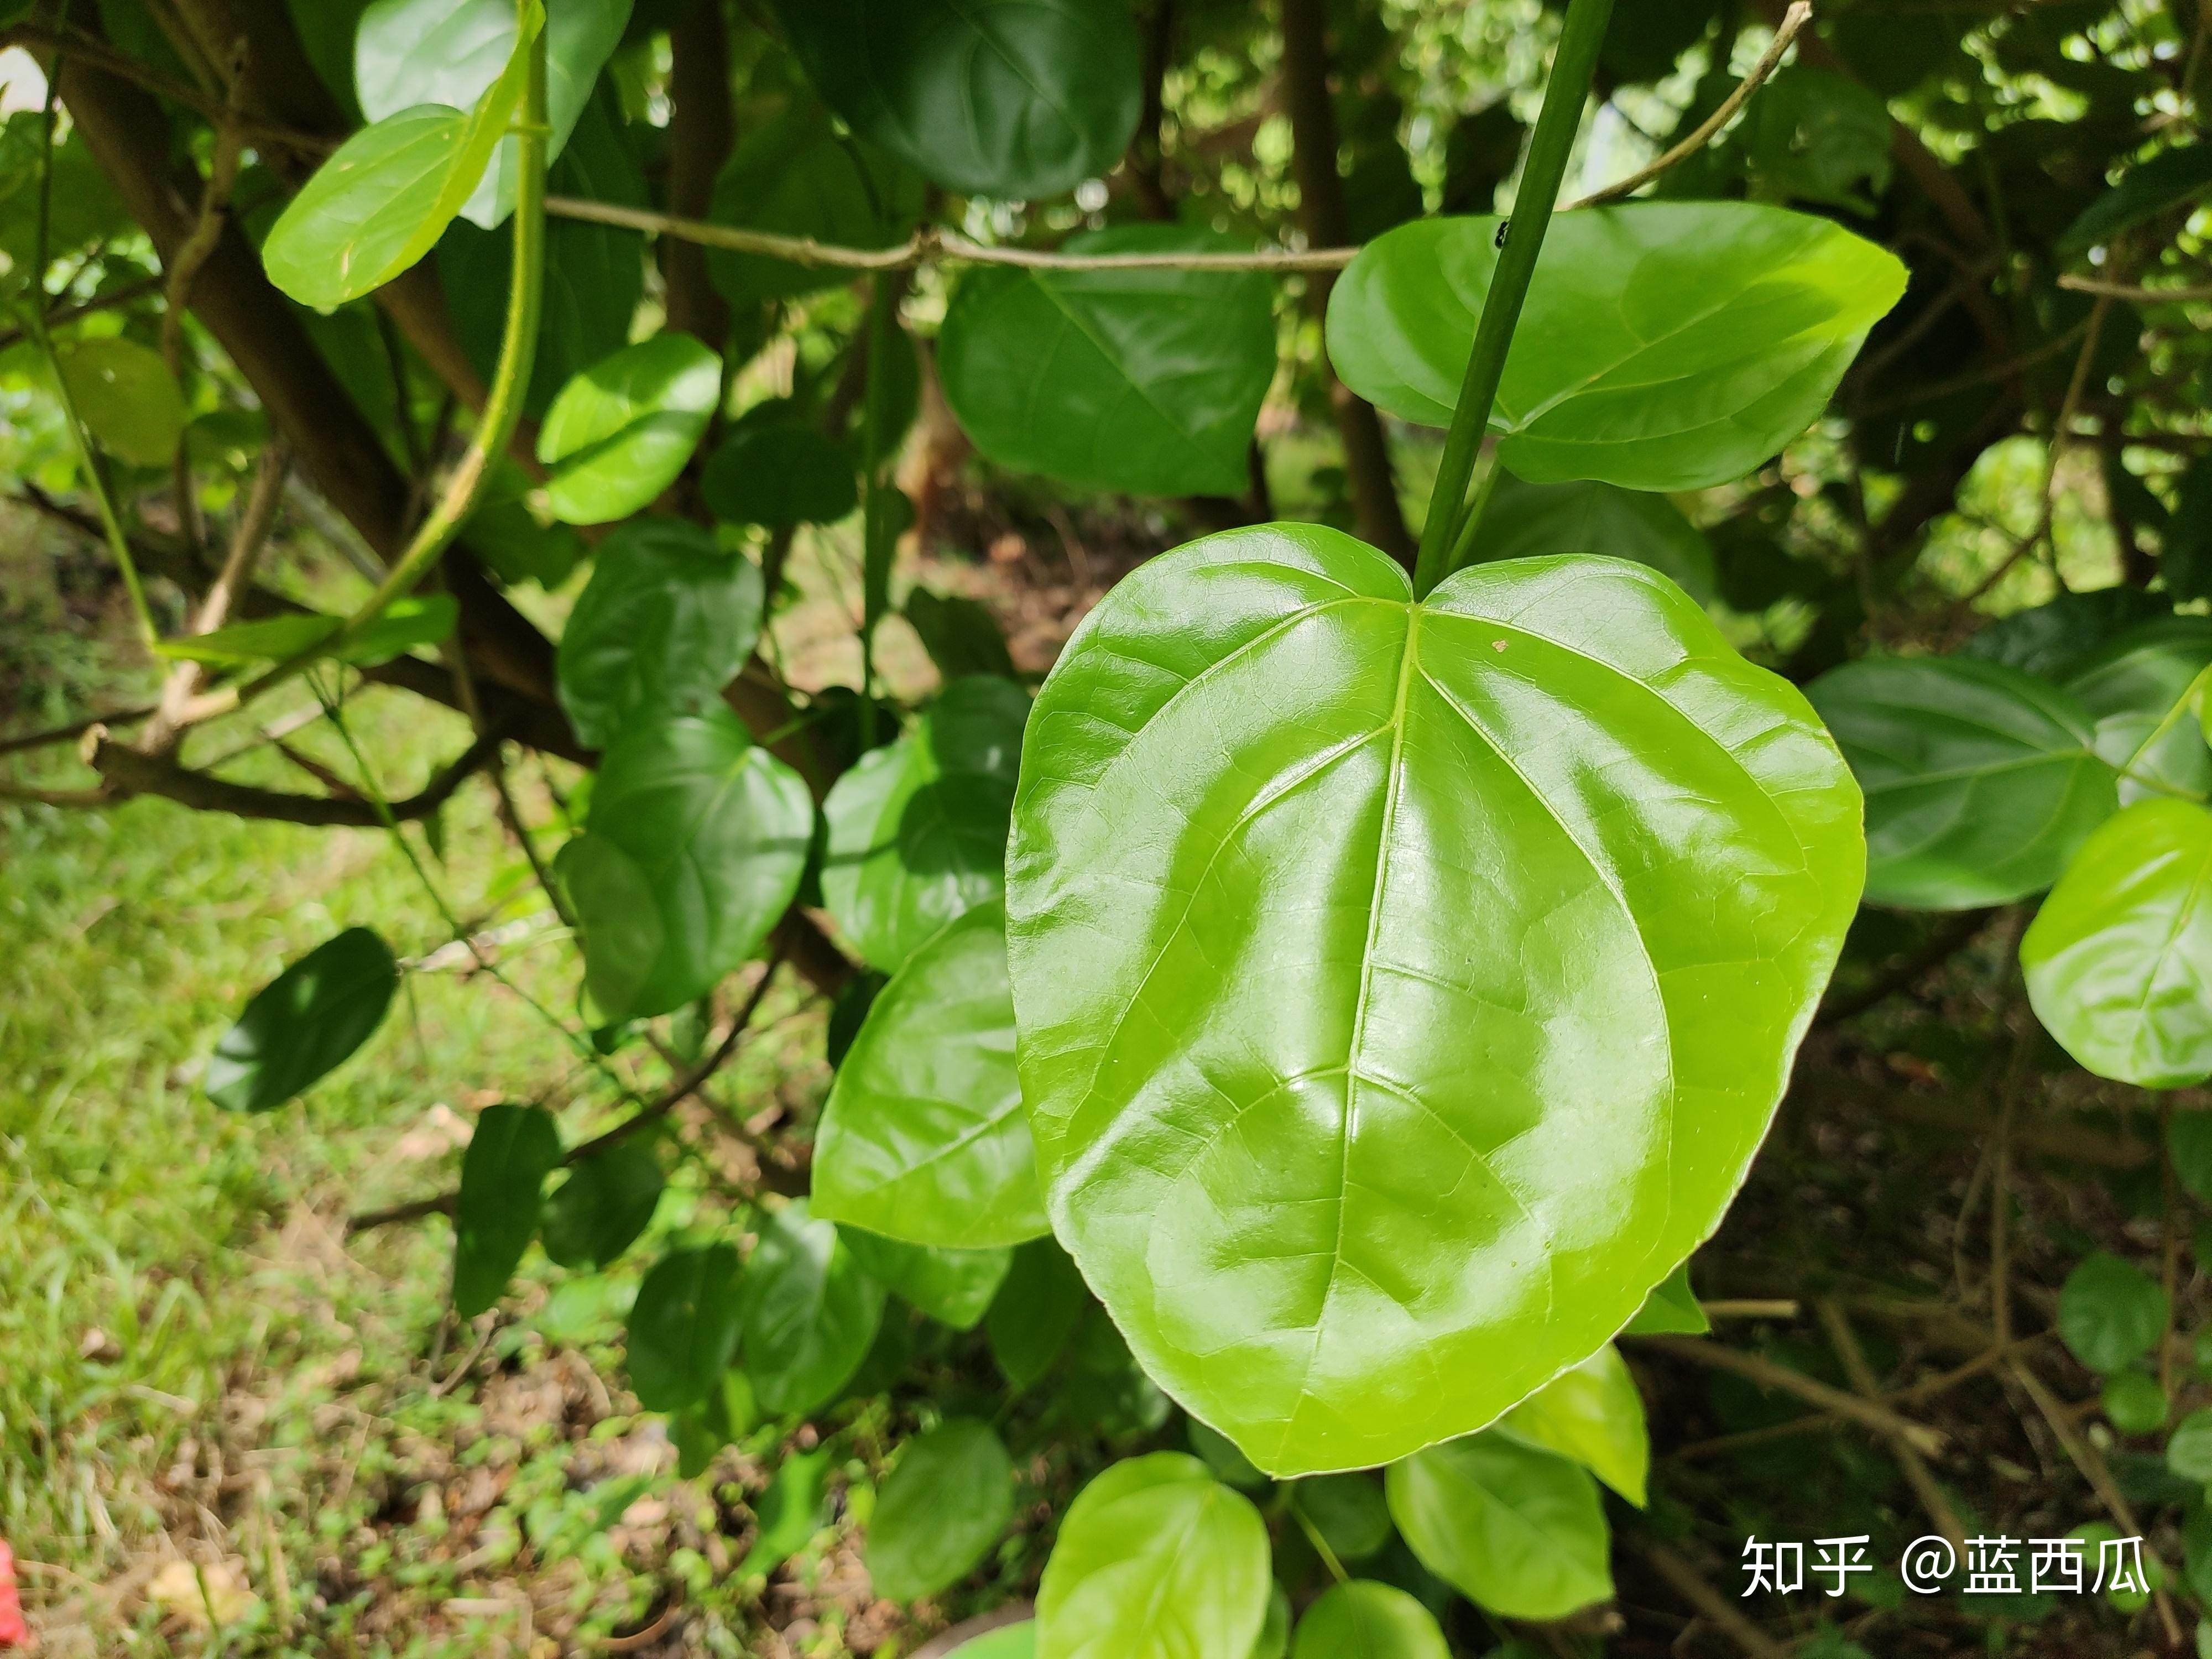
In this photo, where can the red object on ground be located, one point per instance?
(13, 1632)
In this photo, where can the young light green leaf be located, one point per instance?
(1143, 381)
(371, 211)
(682, 1327)
(1155, 1560)
(504, 1176)
(1017, 1641)
(954, 1287)
(696, 845)
(1516, 1529)
(1526, 520)
(1665, 345)
(620, 433)
(1221, 1455)
(1013, 102)
(789, 1516)
(2120, 958)
(2189, 1453)
(2135, 1404)
(960, 634)
(797, 176)
(810, 1311)
(779, 473)
(1474, 1110)
(599, 1211)
(2130, 687)
(2111, 1313)
(667, 622)
(924, 1138)
(304, 1023)
(1594, 1416)
(425, 619)
(917, 831)
(1036, 1311)
(1348, 1511)
(948, 1499)
(1363, 1619)
(1671, 1308)
(1980, 781)
(126, 397)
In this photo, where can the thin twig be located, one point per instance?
(1690, 1584)
(1928, 1442)
(60, 734)
(1918, 1475)
(129, 772)
(2141, 296)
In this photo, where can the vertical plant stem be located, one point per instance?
(1573, 65)
(879, 536)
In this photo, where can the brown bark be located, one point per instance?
(702, 130)
(1321, 216)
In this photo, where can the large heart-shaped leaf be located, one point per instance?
(304, 1023)
(1363, 1620)
(810, 1312)
(1155, 1560)
(667, 622)
(504, 1176)
(2120, 958)
(1980, 780)
(1594, 1416)
(620, 433)
(696, 846)
(1403, 988)
(924, 1138)
(1526, 520)
(2131, 687)
(1665, 345)
(797, 176)
(447, 51)
(1513, 1528)
(917, 831)
(1147, 381)
(946, 1502)
(1015, 101)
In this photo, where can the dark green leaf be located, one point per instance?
(1671, 1308)
(1363, 1619)
(682, 1327)
(2145, 190)
(1221, 1455)
(701, 1430)
(1591, 1415)
(954, 1287)
(1980, 781)
(2120, 958)
(667, 622)
(789, 1516)
(1526, 520)
(1816, 136)
(917, 830)
(2189, 1144)
(304, 1023)
(796, 176)
(2135, 1404)
(695, 845)
(1144, 381)
(1102, 1390)
(779, 473)
(1012, 101)
(1348, 1511)
(2111, 1314)
(1665, 345)
(126, 397)
(405, 623)
(506, 537)
(599, 1211)
(1036, 1311)
(810, 1311)
(849, 1013)
(2130, 687)
(620, 433)
(1260, 751)
(946, 1501)
(504, 1176)
(1517, 1530)
(1198, 1550)
(2189, 1453)
(960, 634)
(2054, 640)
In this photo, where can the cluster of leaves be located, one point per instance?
(1334, 1004)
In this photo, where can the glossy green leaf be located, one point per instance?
(1363, 1619)
(810, 1311)
(304, 1023)
(2111, 1313)
(947, 1500)
(2130, 687)
(1403, 989)
(779, 473)
(1671, 1308)
(126, 397)
(917, 831)
(1221, 1455)
(2057, 639)
(665, 623)
(960, 634)
(1594, 1416)
(1143, 381)
(496, 1216)
(606, 1203)
(372, 211)
(682, 1327)
(429, 619)
(2120, 958)
(1036, 1311)
(1348, 1511)
(924, 1138)
(1526, 520)
(953, 1287)
(1516, 1529)
(1664, 346)
(1980, 781)
(1010, 101)
(695, 845)
(449, 52)
(1155, 1560)
(797, 176)
(620, 433)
